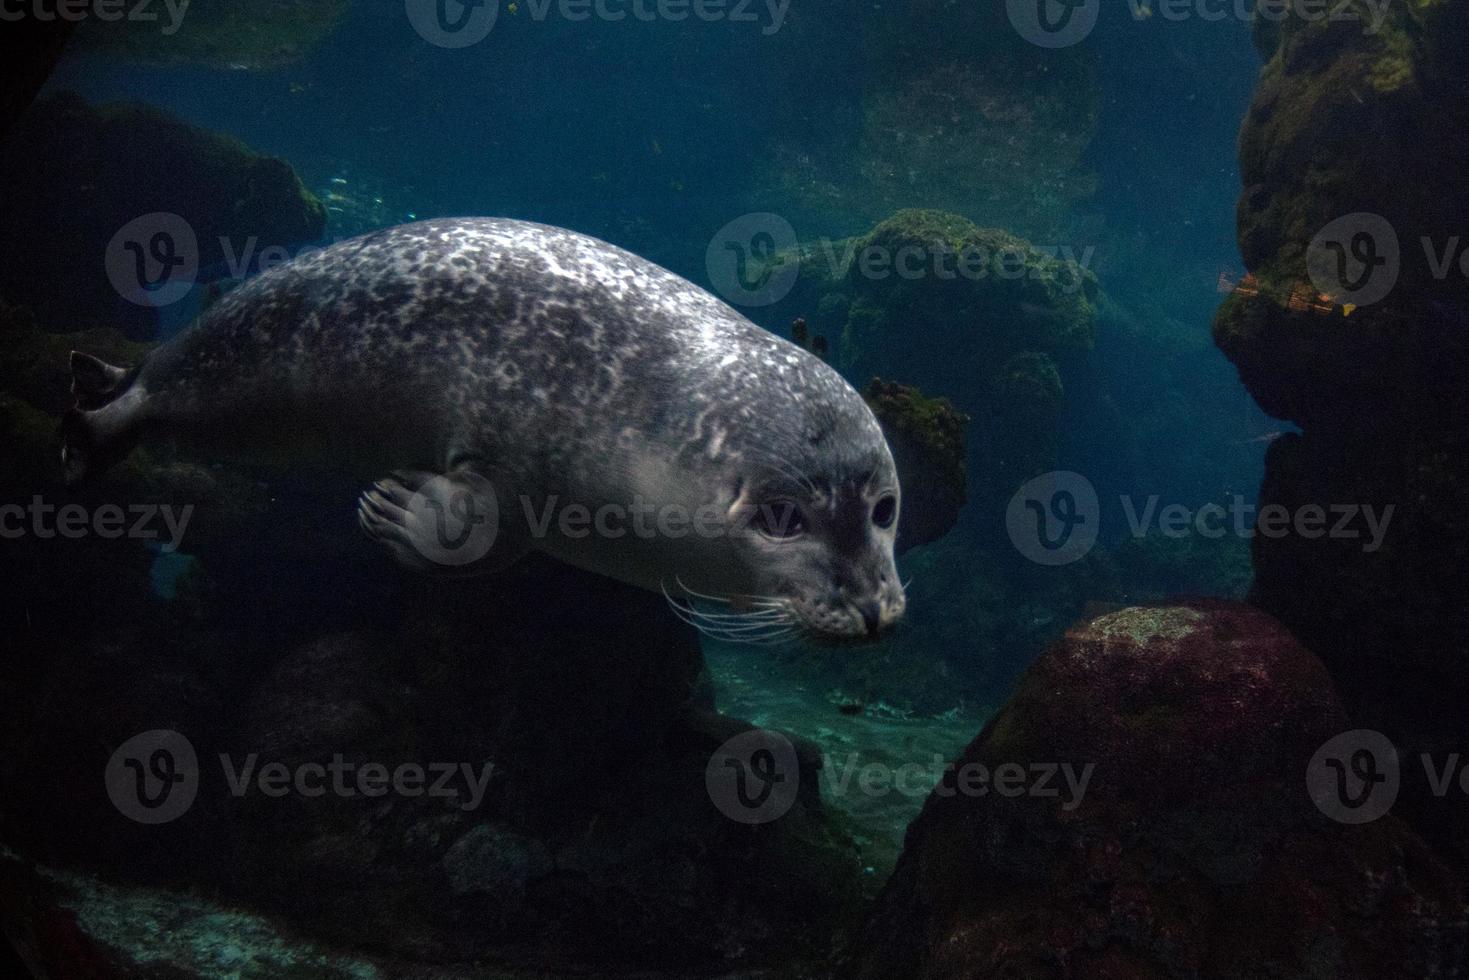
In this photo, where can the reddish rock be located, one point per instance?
(1194, 851)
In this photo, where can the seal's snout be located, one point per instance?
(845, 617)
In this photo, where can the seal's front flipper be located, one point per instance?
(439, 523)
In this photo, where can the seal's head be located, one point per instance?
(821, 545)
(810, 502)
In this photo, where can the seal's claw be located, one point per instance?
(386, 524)
(394, 491)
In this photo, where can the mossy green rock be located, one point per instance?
(1347, 121)
(926, 436)
(926, 283)
(261, 34)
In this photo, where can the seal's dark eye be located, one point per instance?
(885, 511)
(780, 519)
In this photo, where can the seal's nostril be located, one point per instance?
(871, 617)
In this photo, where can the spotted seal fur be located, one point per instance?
(529, 369)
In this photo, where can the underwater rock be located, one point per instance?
(569, 709)
(1380, 389)
(73, 175)
(221, 34)
(1336, 108)
(69, 924)
(35, 365)
(999, 310)
(927, 280)
(1194, 849)
(926, 436)
(980, 294)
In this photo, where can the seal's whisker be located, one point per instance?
(784, 467)
(741, 624)
(759, 628)
(790, 471)
(745, 598)
(701, 595)
(732, 632)
(764, 616)
(703, 628)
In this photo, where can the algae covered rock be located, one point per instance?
(1175, 835)
(74, 175)
(220, 34)
(577, 829)
(926, 436)
(1353, 324)
(976, 314)
(933, 298)
(1353, 132)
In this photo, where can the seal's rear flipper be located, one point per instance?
(102, 427)
(443, 524)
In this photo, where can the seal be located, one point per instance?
(531, 374)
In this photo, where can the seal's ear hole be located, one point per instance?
(885, 511)
(780, 519)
